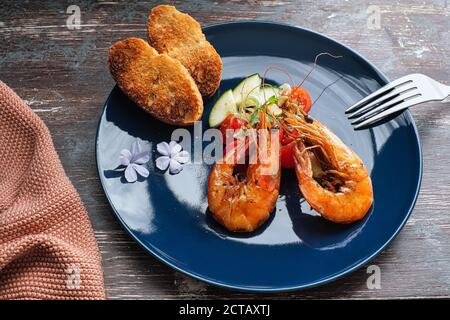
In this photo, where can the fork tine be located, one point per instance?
(383, 106)
(386, 113)
(378, 93)
(383, 99)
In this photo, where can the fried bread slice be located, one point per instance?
(156, 82)
(180, 36)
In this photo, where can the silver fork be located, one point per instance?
(395, 97)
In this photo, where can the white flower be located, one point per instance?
(134, 161)
(172, 157)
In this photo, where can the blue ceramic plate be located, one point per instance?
(167, 214)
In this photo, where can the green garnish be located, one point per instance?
(254, 117)
(271, 100)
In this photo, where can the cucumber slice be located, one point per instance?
(253, 100)
(222, 108)
(246, 87)
(268, 92)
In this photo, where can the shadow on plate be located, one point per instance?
(311, 229)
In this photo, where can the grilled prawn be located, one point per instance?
(331, 176)
(242, 201)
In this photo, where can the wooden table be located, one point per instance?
(63, 76)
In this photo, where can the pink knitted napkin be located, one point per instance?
(47, 245)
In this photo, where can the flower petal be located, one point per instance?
(141, 158)
(125, 157)
(175, 167)
(174, 148)
(162, 163)
(130, 174)
(163, 148)
(181, 157)
(135, 148)
(141, 170)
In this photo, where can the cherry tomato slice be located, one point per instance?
(287, 138)
(301, 96)
(287, 155)
(231, 122)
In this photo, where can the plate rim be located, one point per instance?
(250, 289)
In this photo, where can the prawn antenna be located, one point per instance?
(324, 89)
(315, 64)
(278, 69)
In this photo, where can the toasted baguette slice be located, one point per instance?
(181, 37)
(156, 82)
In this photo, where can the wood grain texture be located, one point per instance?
(63, 76)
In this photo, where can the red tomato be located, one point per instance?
(231, 122)
(287, 155)
(301, 96)
(287, 148)
(281, 135)
(286, 138)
